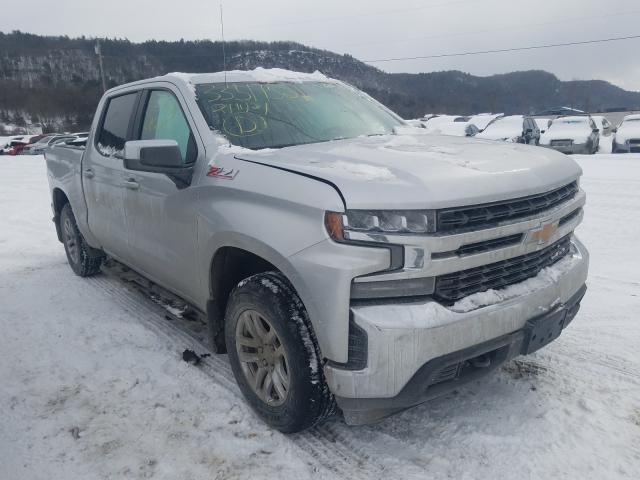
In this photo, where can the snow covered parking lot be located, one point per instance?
(92, 384)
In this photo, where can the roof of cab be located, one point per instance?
(258, 75)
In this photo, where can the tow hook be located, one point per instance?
(483, 361)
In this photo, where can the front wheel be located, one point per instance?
(84, 260)
(274, 354)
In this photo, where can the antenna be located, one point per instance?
(224, 53)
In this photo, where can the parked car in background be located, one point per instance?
(77, 142)
(543, 124)
(483, 120)
(627, 135)
(28, 149)
(418, 123)
(16, 145)
(603, 125)
(6, 144)
(39, 147)
(513, 128)
(574, 134)
(434, 122)
(456, 129)
(428, 116)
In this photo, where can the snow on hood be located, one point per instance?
(579, 132)
(424, 171)
(507, 128)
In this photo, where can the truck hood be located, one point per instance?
(423, 171)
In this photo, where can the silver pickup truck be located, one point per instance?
(340, 257)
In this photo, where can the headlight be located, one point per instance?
(341, 225)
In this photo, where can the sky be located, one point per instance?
(374, 30)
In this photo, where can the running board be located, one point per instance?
(176, 309)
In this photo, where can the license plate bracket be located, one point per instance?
(544, 330)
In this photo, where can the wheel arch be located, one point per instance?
(59, 200)
(232, 262)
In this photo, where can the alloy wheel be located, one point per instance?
(71, 240)
(262, 357)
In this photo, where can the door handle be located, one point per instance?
(131, 184)
(89, 173)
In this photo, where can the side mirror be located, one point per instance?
(614, 129)
(156, 156)
(596, 130)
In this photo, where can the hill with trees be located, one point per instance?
(56, 80)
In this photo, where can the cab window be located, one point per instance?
(165, 120)
(115, 124)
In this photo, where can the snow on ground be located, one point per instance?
(93, 385)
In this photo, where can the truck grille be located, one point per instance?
(454, 286)
(490, 214)
(489, 245)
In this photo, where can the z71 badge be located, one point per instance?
(219, 172)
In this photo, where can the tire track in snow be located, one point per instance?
(610, 364)
(336, 451)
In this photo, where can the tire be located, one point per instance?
(271, 344)
(84, 260)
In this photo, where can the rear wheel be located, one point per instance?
(84, 260)
(274, 354)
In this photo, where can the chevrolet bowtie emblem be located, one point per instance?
(544, 233)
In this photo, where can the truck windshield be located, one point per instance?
(275, 115)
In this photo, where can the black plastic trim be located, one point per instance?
(358, 350)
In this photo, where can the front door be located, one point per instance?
(103, 176)
(162, 226)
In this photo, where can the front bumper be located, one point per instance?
(408, 343)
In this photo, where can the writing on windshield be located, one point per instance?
(272, 115)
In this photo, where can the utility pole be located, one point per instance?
(98, 50)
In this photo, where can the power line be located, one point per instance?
(503, 50)
(492, 30)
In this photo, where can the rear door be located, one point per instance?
(162, 226)
(103, 175)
